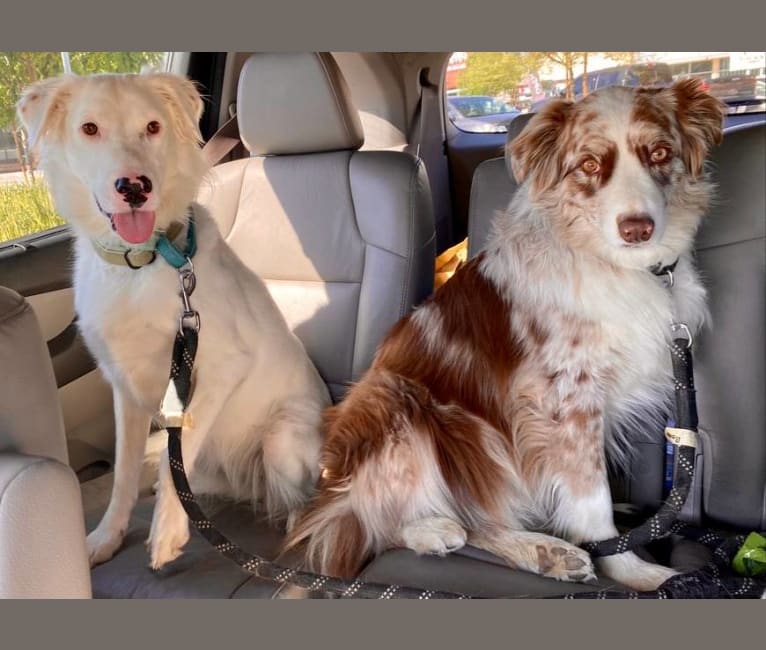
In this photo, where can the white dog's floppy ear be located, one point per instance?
(42, 107)
(537, 151)
(184, 101)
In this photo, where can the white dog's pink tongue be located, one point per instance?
(134, 227)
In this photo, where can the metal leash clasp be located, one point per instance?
(188, 282)
(683, 328)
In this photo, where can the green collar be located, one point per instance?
(145, 254)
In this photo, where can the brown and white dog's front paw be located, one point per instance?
(630, 570)
(565, 562)
(433, 536)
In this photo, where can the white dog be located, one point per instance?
(122, 158)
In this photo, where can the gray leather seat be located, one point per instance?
(42, 538)
(492, 189)
(730, 358)
(344, 240)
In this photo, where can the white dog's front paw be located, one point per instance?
(168, 536)
(103, 543)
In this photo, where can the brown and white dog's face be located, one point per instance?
(620, 173)
(120, 152)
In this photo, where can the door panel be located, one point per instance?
(88, 414)
(39, 267)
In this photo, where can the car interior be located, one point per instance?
(341, 204)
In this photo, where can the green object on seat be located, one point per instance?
(750, 560)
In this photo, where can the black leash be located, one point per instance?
(717, 579)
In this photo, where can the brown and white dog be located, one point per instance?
(488, 413)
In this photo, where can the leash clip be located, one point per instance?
(683, 328)
(188, 282)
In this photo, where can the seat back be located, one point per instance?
(30, 415)
(42, 533)
(730, 357)
(344, 239)
(492, 189)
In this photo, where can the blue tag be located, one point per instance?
(670, 459)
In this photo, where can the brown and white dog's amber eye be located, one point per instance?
(590, 166)
(153, 127)
(89, 128)
(660, 155)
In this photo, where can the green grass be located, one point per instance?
(26, 208)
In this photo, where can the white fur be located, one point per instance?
(257, 397)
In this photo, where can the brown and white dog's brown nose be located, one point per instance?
(636, 228)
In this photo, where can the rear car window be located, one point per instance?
(486, 90)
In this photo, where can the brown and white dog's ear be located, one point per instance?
(42, 107)
(537, 152)
(700, 118)
(184, 101)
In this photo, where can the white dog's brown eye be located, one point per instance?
(89, 128)
(590, 166)
(660, 155)
(153, 127)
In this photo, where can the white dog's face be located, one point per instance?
(621, 171)
(120, 152)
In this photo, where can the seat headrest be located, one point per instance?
(515, 127)
(291, 103)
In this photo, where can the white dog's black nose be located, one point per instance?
(636, 228)
(133, 190)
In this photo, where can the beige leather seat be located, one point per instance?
(42, 536)
(344, 239)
